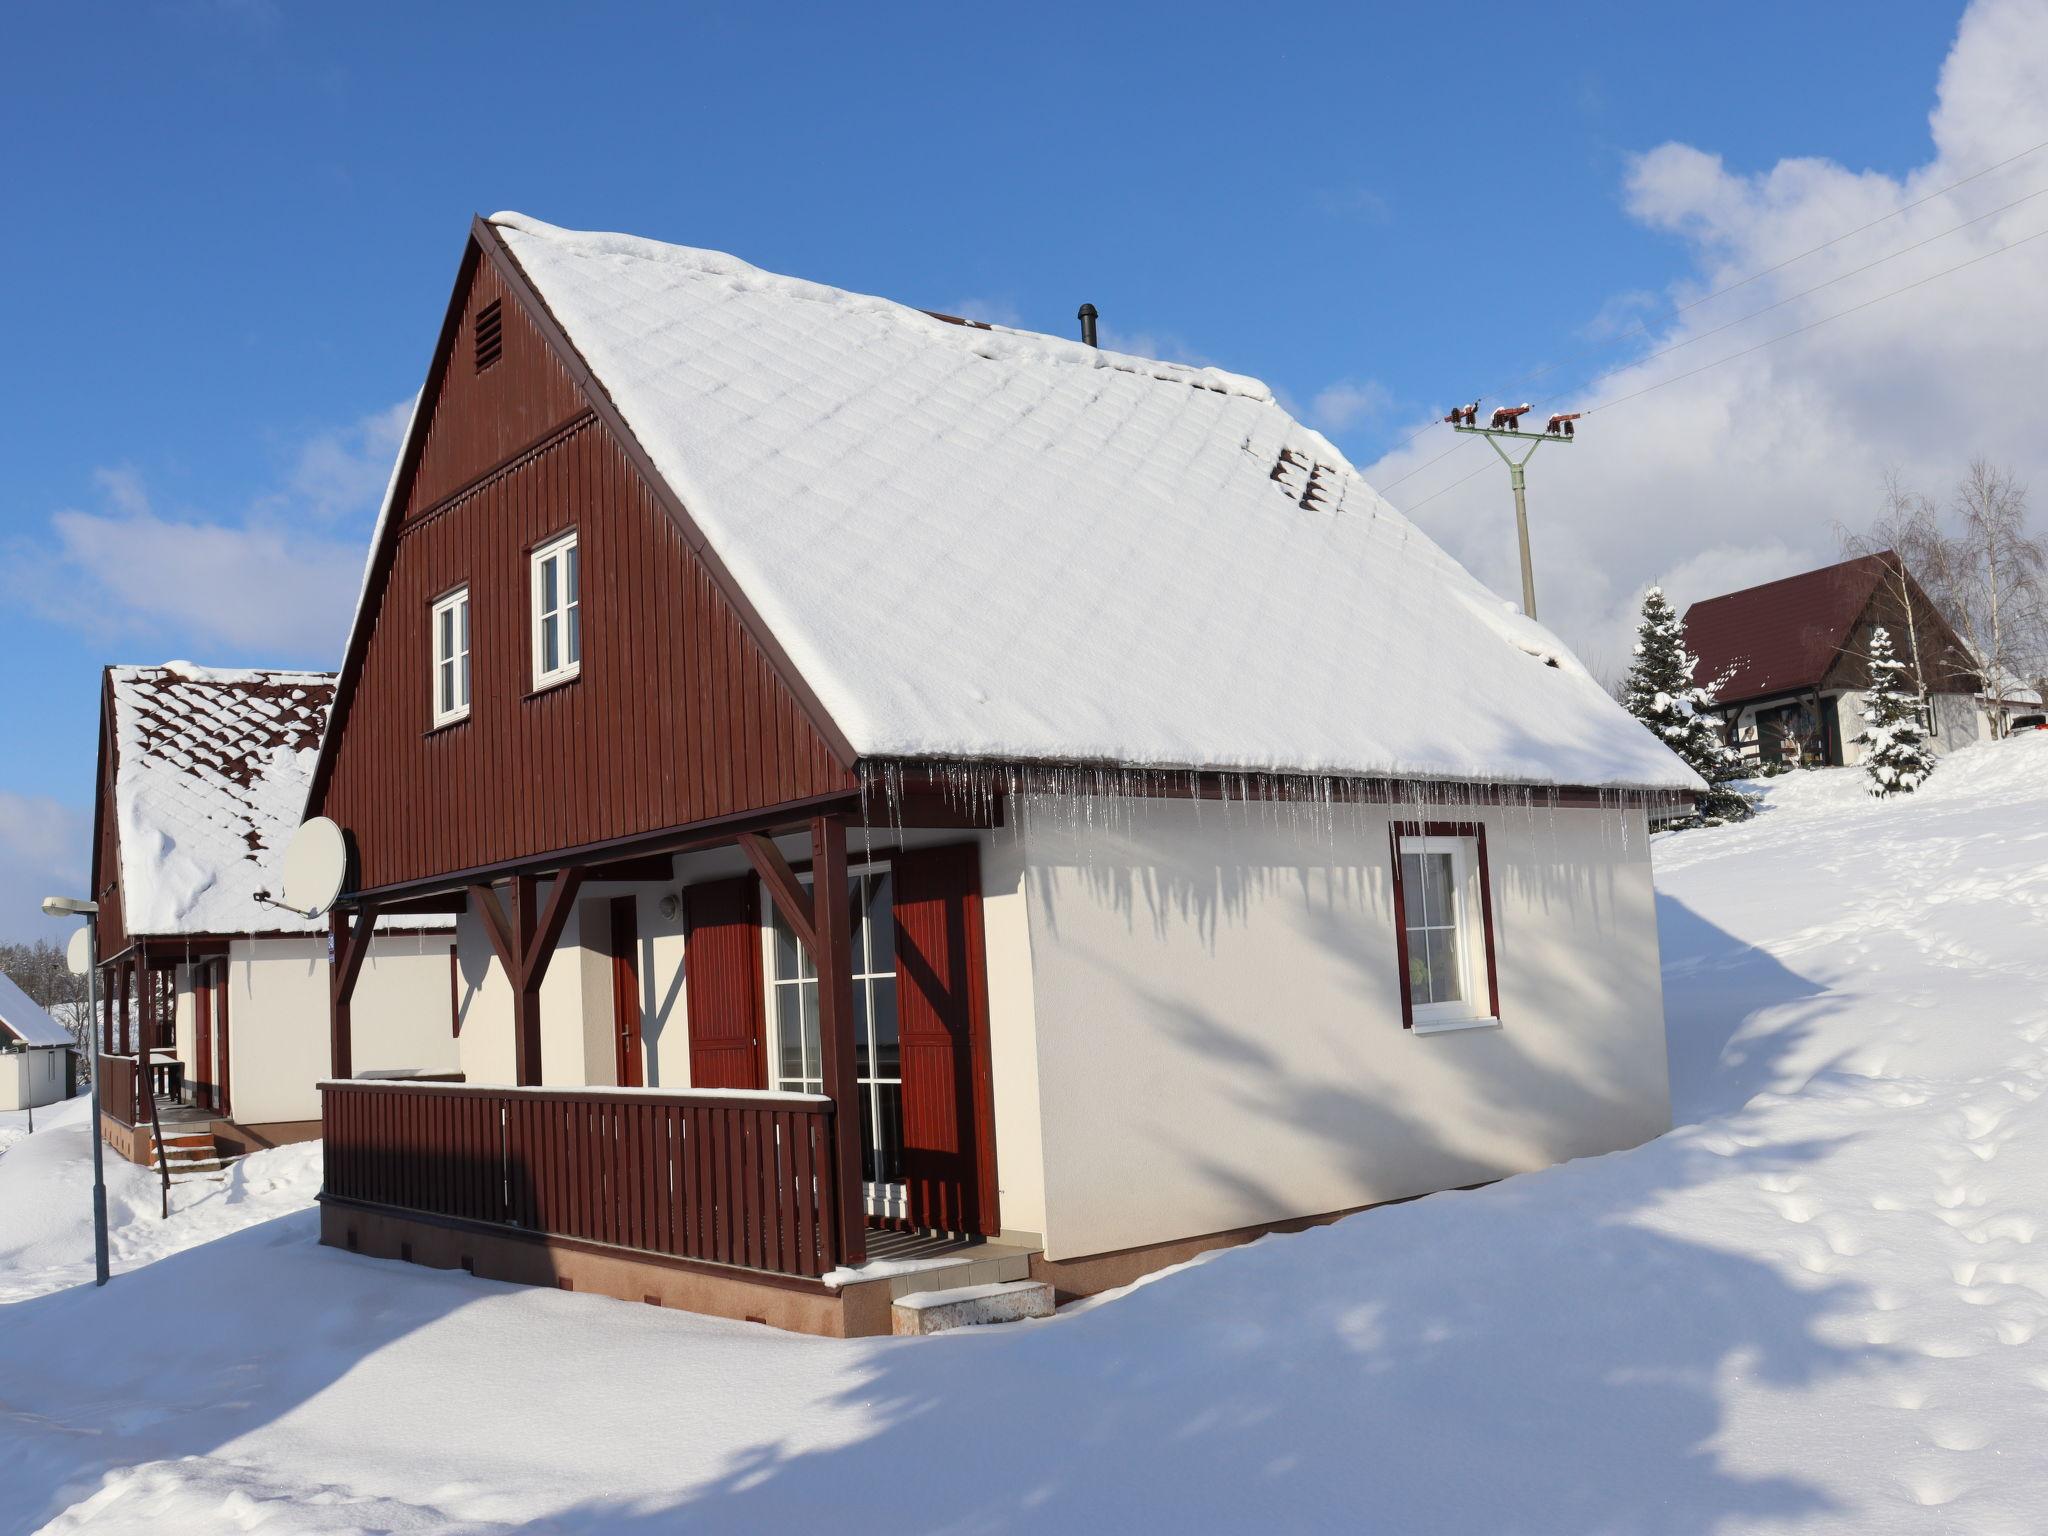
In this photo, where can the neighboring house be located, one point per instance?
(914, 786)
(38, 1058)
(205, 977)
(2004, 698)
(1792, 659)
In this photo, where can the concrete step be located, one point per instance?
(1006, 1301)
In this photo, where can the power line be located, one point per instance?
(1814, 324)
(1643, 326)
(1729, 325)
(1771, 342)
(1838, 239)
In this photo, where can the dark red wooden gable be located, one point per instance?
(722, 984)
(949, 1159)
(682, 712)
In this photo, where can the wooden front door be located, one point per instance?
(722, 983)
(626, 990)
(949, 1157)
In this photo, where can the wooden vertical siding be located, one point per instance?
(678, 715)
(111, 923)
(718, 1179)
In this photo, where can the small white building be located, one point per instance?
(215, 994)
(38, 1057)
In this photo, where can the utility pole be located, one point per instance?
(1519, 481)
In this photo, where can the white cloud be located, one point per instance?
(343, 471)
(1161, 346)
(1349, 403)
(42, 853)
(1738, 474)
(274, 584)
(990, 311)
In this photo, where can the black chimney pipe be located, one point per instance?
(1087, 318)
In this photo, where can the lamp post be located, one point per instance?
(71, 906)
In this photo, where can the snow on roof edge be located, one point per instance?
(26, 1019)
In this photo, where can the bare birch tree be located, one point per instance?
(1908, 525)
(2001, 578)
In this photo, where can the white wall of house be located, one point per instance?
(1219, 1034)
(278, 1020)
(31, 1078)
(1956, 721)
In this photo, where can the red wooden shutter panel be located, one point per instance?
(949, 1157)
(722, 984)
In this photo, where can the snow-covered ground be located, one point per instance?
(1817, 1306)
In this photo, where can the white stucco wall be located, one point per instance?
(1219, 1035)
(31, 1078)
(1957, 721)
(278, 1019)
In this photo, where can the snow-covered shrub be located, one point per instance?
(1894, 739)
(1662, 694)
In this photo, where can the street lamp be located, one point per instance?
(71, 906)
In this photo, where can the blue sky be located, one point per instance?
(232, 229)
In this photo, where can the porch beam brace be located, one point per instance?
(553, 919)
(833, 955)
(483, 901)
(784, 889)
(351, 943)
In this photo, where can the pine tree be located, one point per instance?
(1662, 694)
(1894, 741)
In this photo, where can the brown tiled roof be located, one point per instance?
(1783, 635)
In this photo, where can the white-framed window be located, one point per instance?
(557, 611)
(450, 623)
(796, 1063)
(1446, 928)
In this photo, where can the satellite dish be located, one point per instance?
(315, 864)
(78, 953)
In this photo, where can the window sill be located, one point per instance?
(1445, 1026)
(549, 684)
(448, 724)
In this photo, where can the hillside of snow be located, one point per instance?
(1818, 1306)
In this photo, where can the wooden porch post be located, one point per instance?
(122, 973)
(145, 1029)
(524, 946)
(525, 988)
(106, 1020)
(351, 945)
(834, 959)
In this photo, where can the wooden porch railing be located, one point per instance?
(117, 1088)
(723, 1178)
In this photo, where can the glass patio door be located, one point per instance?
(795, 1054)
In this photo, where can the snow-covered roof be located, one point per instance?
(212, 773)
(23, 1018)
(982, 543)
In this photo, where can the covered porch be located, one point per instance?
(741, 1195)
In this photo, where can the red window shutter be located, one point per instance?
(722, 984)
(949, 1156)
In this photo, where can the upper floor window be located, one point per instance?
(557, 612)
(450, 622)
(1445, 926)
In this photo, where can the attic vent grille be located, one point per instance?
(490, 334)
